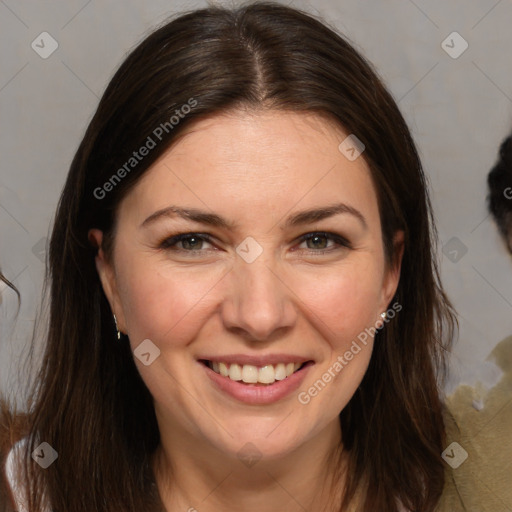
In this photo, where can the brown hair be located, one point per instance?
(89, 401)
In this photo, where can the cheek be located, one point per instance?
(346, 299)
(165, 304)
(344, 303)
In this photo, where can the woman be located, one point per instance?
(215, 342)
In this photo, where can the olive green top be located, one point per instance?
(480, 423)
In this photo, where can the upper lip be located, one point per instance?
(262, 360)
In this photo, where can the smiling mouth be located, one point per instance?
(250, 374)
(259, 375)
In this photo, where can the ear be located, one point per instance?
(107, 277)
(392, 274)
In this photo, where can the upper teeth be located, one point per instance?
(250, 374)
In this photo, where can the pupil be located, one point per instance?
(316, 239)
(191, 242)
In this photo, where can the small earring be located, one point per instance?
(383, 316)
(118, 331)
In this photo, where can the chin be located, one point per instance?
(255, 439)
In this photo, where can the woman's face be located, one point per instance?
(255, 296)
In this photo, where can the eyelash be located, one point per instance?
(341, 242)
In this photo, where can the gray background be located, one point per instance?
(458, 109)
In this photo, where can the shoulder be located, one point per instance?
(14, 427)
(13, 471)
(478, 452)
(16, 493)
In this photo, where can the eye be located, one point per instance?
(318, 242)
(190, 242)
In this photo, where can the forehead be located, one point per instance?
(266, 160)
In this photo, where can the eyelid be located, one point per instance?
(172, 240)
(339, 240)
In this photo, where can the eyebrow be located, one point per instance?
(212, 219)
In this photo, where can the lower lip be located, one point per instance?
(258, 394)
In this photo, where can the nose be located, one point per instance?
(260, 304)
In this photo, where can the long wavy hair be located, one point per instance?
(88, 400)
